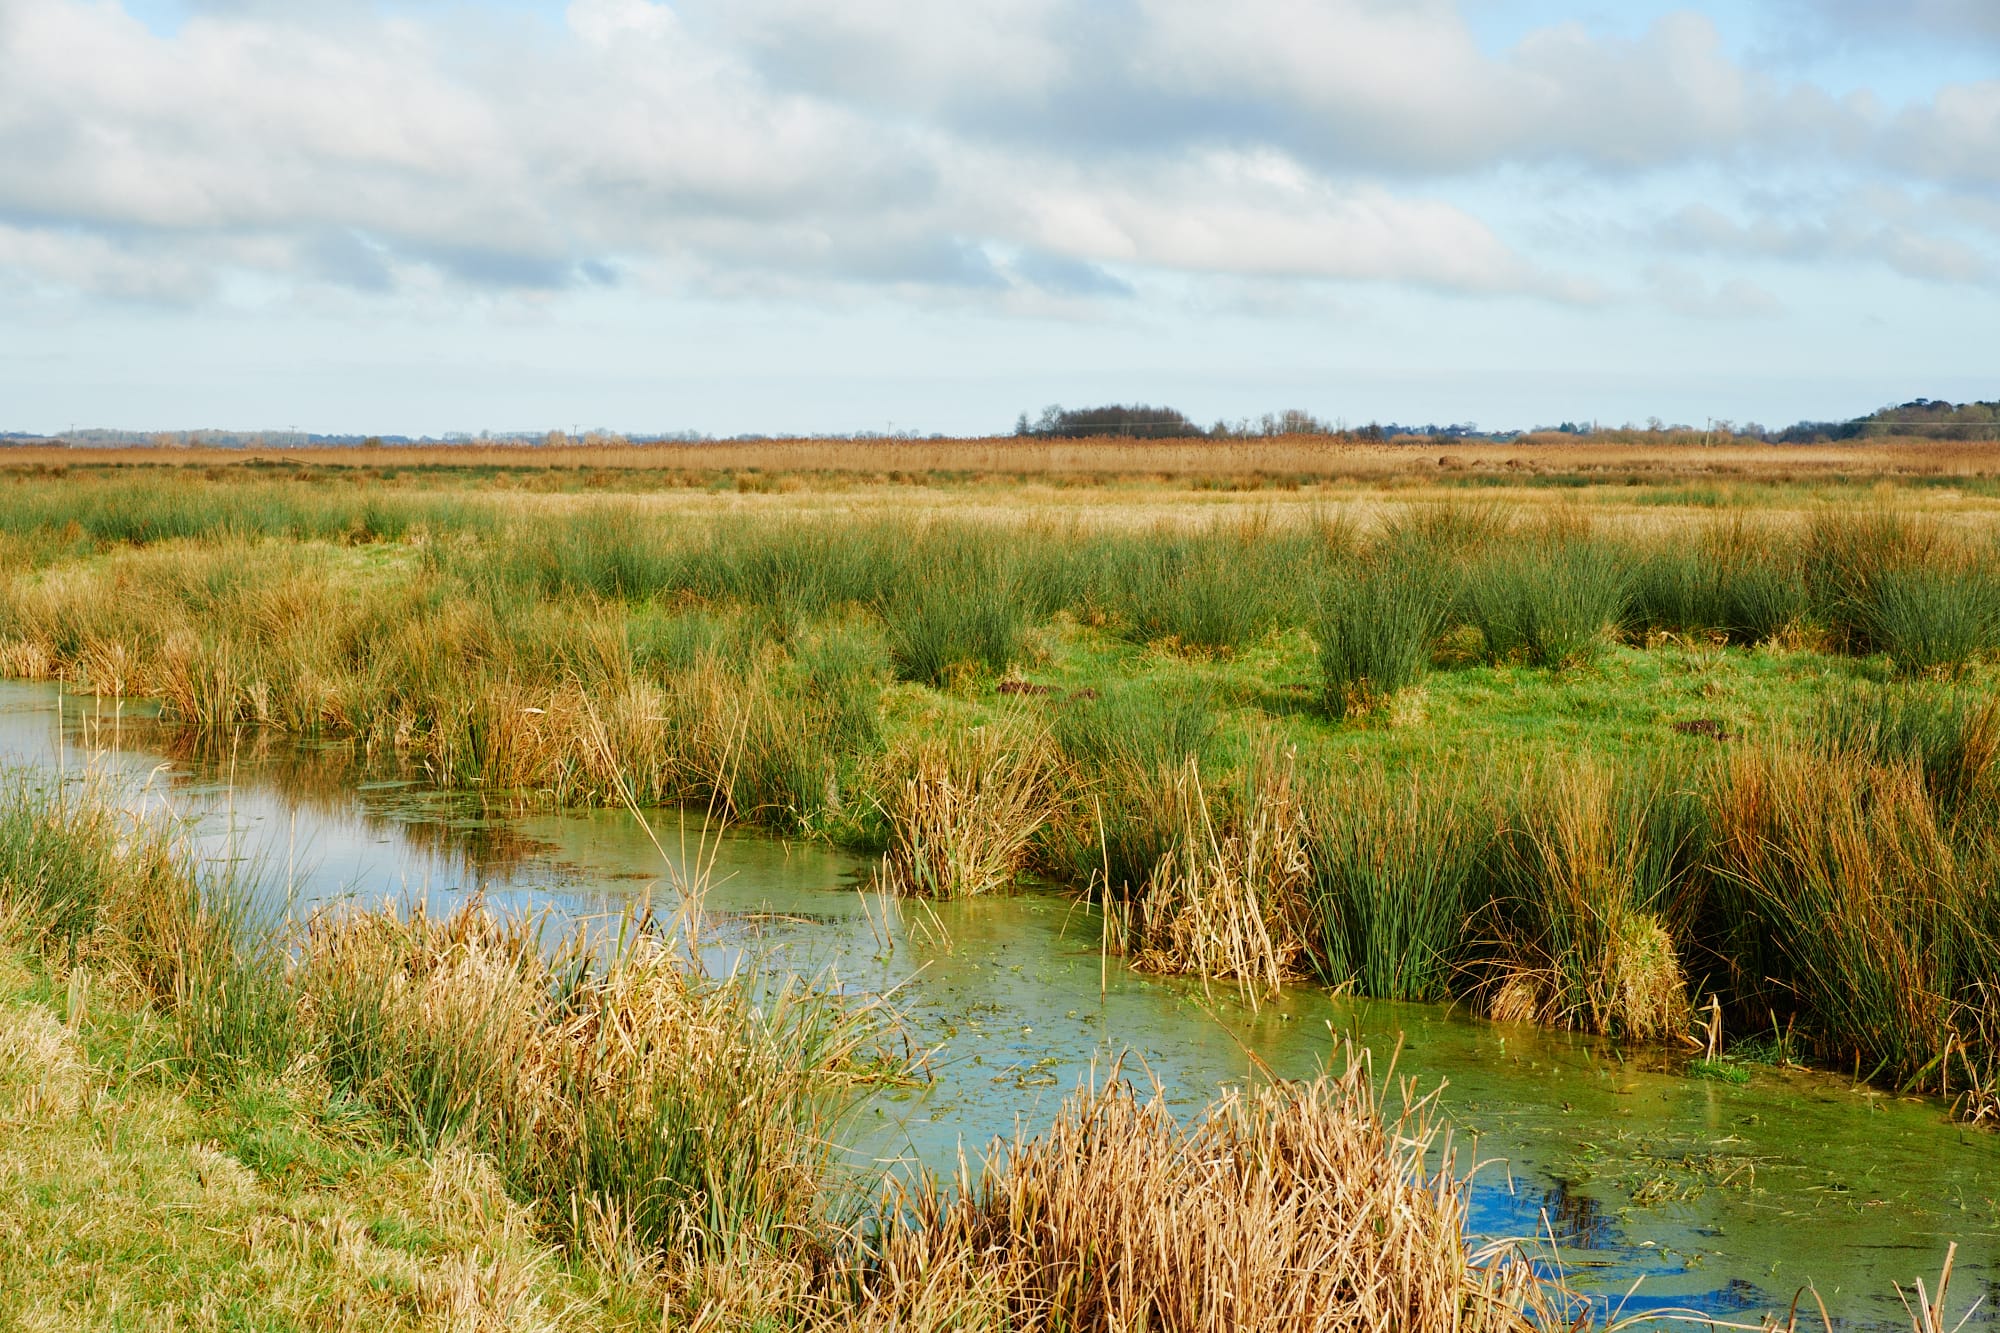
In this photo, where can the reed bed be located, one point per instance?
(1291, 1206)
(1228, 901)
(629, 1090)
(961, 822)
(1705, 456)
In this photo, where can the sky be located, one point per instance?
(734, 216)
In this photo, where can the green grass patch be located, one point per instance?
(1719, 1071)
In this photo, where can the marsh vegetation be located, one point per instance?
(465, 1121)
(1579, 760)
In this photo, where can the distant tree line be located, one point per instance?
(1930, 418)
(1139, 421)
(1923, 417)
(1136, 421)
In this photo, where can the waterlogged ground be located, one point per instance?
(1721, 1197)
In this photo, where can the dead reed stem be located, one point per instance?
(962, 820)
(1228, 902)
(1297, 1206)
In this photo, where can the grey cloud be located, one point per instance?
(1693, 296)
(348, 260)
(1873, 20)
(500, 270)
(1955, 137)
(1064, 276)
(1852, 230)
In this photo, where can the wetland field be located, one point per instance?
(1001, 885)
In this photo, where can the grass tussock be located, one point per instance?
(1933, 621)
(1552, 602)
(1888, 582)
(1295, 1206)
(958, 606)
(1741, 581)
(1586, 868)
(1395, 866)
(963, 816)
(1377, 625)
(1210, 591)
(1228, 901)
(1844, 897)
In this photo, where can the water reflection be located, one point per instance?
(323, 779)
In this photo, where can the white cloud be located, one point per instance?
(351, 148)
(1693, 295)
(1264, 215)
(1872, 227)
(1955, 137)
(47, 258)
(1067, 145)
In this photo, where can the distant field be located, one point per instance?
(1611, 457)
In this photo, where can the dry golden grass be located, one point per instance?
(637, 1099)
(1585, 948)
(965, 811)
(1663, 455)
(1229, 901)
(1298, 1206)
